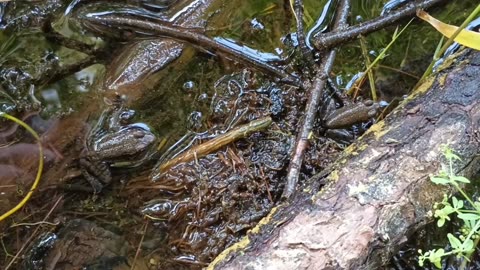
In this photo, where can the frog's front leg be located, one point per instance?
(351, 114)
(96, 172)
(341, 136)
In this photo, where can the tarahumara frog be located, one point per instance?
(351, 114)
(121, 146)
(342, 124)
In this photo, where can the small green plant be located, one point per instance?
(464, 245)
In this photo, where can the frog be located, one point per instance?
(339, 122)
(350, 114)
(119, 145)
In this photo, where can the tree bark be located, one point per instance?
(379, 191)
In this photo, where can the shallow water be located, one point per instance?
(199, 207)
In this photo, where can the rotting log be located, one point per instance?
(379, 191)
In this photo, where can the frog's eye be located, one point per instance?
(127, 115)
(368, 102)
(138, 134)
(372, 112)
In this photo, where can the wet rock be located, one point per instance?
(80, 244)
(24, 14)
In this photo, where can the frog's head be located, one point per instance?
(139, 137)
(372, 107)
(125, 143)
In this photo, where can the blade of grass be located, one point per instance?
(371, 79)
(40, 165)
(449, 42)
(380, 56)
(464, 37)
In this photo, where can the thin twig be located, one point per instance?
(67, 70)
(70, 43)
(34, 234)
(403, 72)
(213, 145)
(297, 8)
(35, 223)
(185, 34)
(316, 93)
(139, 248)
(332, 39)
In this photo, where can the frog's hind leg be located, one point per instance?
(93, 172)
(93, 181)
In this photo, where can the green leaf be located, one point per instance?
(469, 224)
(453, 156)
(455, 242)
(439, 180)
(459, 205)
(436, 257)
(439, 252)
(468, 216)
(440, 222)
(442, 214)
(468, 246)
(420, 261)
(460, 179)
(455, 202)
(447, 210)
(448, 153)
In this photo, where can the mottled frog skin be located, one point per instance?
(351, 114)
(116, 145)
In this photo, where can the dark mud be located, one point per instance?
(186, 217)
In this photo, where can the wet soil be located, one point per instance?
(186, 217)
(195, 209)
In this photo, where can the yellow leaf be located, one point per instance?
(465, 37)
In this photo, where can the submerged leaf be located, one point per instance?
(465, 37)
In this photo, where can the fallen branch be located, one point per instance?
(379, 191)
(316, 93)
(185, 34)
(334, 38)
(297, 9)
(208, 147)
